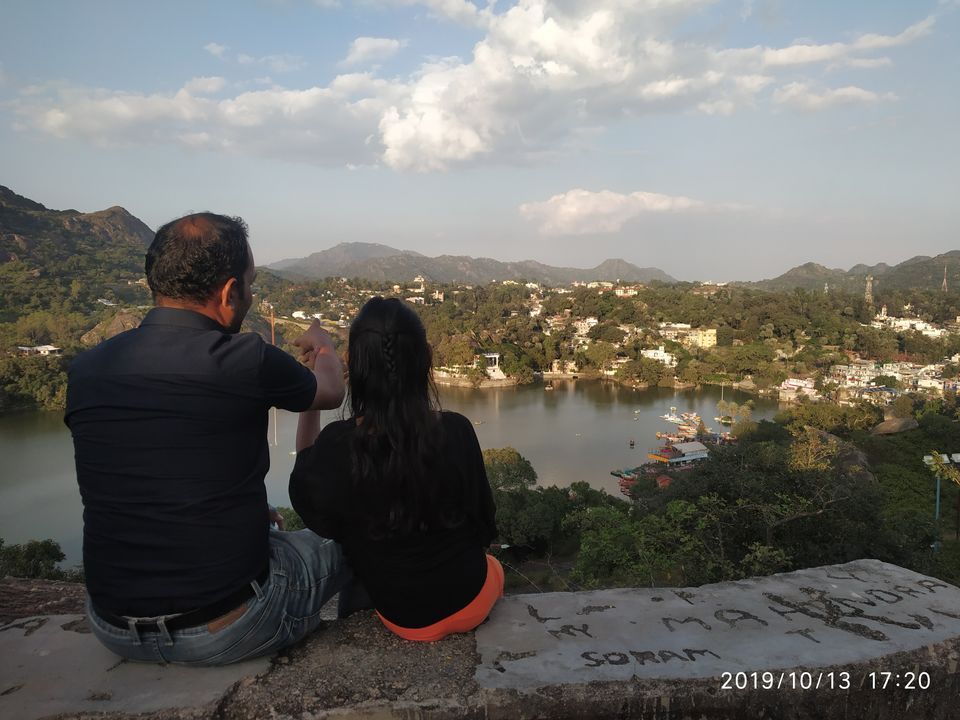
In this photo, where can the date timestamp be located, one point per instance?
(815, 680)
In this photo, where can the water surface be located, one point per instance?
(581, 430)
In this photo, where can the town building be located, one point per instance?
(661, 356)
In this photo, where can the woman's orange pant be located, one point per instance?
(463, 620)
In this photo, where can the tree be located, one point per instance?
(811, 450)
(600, 354)
(507, 469)
(902, 407)
(35, 559)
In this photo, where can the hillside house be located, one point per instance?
(45, 350)
(661, 356)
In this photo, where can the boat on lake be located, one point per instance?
(672, 417)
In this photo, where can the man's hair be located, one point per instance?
(192, 257)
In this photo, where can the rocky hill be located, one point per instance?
(381, 262)
(919, 273)
(50, 256)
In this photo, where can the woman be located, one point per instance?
(400, 485)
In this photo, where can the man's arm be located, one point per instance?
(308, 427)
(316, 348)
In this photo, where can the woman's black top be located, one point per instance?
(420, 577)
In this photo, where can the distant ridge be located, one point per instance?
(52, 257)
(919, 272)
(372, 261)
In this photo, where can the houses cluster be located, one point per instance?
(864, 379)
(903, 324)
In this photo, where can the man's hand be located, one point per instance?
(317, 352)
(276, 518)
(314, 341)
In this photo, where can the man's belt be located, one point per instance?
(191, 618)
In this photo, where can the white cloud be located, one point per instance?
(581, 212)
(460, 11)
(322, 125)
(215, 49)
(370, 49)
(277, 63)
(869, 63)
(544, 76)
(874, 42)
(205, 85)
(803, 53)
(800, 96)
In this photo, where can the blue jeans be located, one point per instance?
(306, 570)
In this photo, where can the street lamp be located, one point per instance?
(939, 463)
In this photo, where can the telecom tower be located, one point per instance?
(868, 294)
(944, 286)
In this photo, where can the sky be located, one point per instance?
(714, 139)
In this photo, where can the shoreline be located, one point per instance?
(543, 378)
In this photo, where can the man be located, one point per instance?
(169, 424)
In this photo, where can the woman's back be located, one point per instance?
(418, 576)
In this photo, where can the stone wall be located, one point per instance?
(859, 640)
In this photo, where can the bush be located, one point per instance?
(36, 559)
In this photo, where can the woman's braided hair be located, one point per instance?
(397, 439)
(387, 342)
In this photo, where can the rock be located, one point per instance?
(121, 322)
(891, 426)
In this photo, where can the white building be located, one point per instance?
(490, 361)
(582, 327)
(793, 389)
(661, 356)
(39, 350)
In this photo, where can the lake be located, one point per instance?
(581, 430)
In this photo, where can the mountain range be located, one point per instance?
(45, 253)
(919, 272)
(381, 262)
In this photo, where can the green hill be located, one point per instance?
(382, 263)
(918, 273)
(63, 260)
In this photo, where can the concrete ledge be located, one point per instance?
(655, 654)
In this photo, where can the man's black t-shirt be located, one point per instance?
(169, 424)
(423, 577)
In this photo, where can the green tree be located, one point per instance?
(507, 469)
(35, 559)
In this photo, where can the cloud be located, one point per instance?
(582, 212)
(459, 11)
(370, 49)
(800, 96)
(544, 76)
(807, 53)
(204, 85)
(869, 63)
(277, 63)
(215, 49)
(322, 125)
